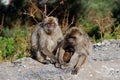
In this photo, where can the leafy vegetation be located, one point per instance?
(7, 48)
(14, 45)
(99, 18)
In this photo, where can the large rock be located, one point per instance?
(102, 64)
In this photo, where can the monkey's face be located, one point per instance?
(50, 24)
(73, 37)
(71, 40)
(49, 28)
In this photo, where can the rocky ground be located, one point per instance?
(102, 64)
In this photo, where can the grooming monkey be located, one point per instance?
(44, 39)
(78, 45)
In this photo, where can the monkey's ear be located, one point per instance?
(45, 17)
(56, 21)
(80, 32)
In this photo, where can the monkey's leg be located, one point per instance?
(42, 58)
(80, 61)
(52, 57)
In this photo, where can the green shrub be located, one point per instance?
(7, 47)
(13, 46)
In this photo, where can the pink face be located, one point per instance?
(50, 27)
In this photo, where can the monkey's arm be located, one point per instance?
(60, 56)
(57, 48)
(34, 37)
(80, 61)
(59, 51)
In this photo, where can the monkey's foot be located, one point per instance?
(45, 61)
(74, 71)
(57, 65)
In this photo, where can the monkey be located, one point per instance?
(69, 51)
(44, 38)
(77, 40)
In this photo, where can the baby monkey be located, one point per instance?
(69, 51)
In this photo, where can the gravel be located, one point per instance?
(102, 64)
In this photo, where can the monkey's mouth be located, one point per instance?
(51, 29)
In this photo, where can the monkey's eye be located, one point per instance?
(71, 49)
(50, 24)
(73, 37)
(67, 37)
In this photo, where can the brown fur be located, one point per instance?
(50, 20)
(74, 32)
(67, 56)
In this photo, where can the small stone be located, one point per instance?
(19, 70)
(91, 75)
(99, 44)
(24, 66)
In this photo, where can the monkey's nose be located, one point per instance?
(70, 40)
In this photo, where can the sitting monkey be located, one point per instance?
(45, 37)
(79, 42)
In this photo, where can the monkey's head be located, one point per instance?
(69, 51)
(50, 24)
(74, 35)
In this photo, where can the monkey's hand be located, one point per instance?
(45, 61)
(53, 61)
(59, 40)
(63, 66)
(62, 62)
